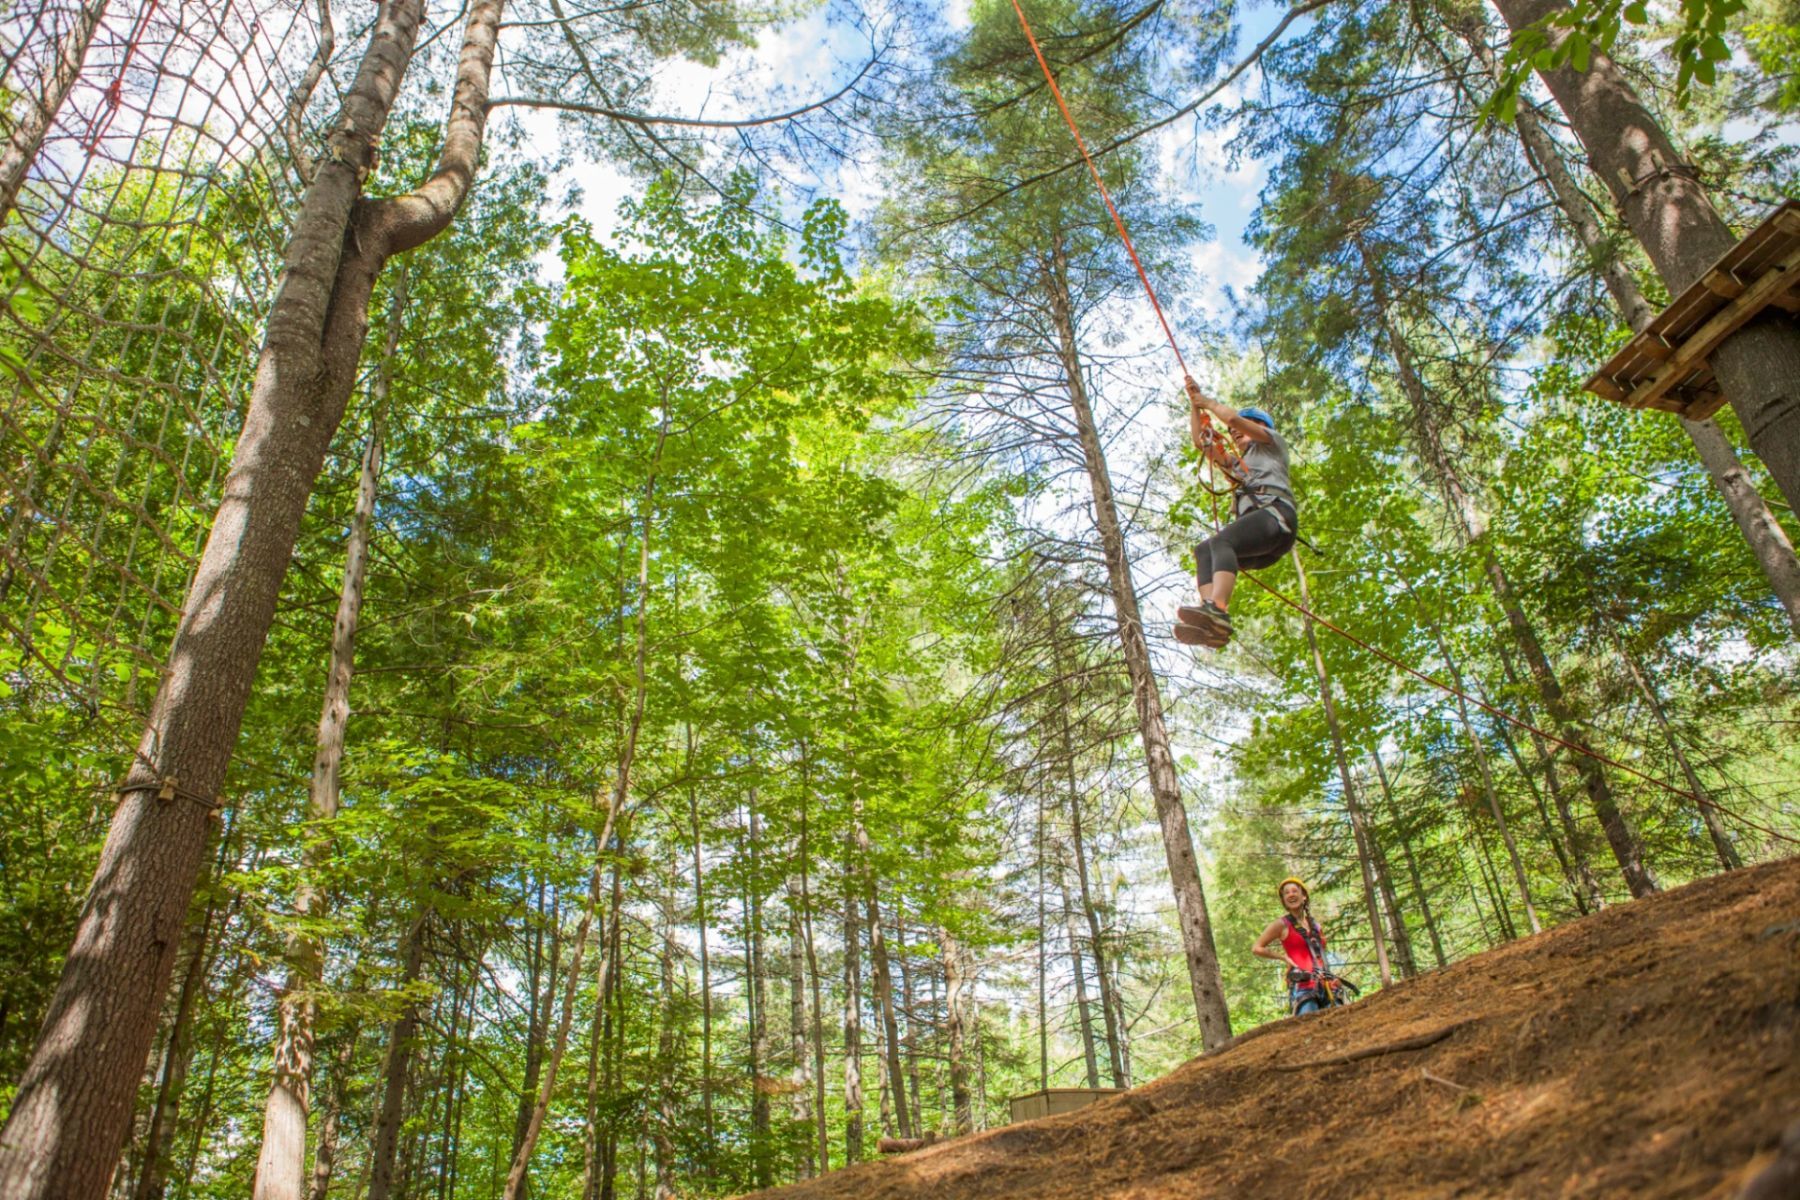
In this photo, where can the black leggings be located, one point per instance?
(1253, 541)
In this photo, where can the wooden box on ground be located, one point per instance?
(1048, 1102)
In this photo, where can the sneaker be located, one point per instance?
(1194, 635)
(1208, 617)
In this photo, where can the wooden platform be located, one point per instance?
(1665, 367)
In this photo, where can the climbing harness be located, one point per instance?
(1168, 331)
(1321, 981)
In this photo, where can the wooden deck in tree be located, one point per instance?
(1665, 367)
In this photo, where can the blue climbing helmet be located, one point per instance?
(1257, 414)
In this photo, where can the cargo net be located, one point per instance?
(150, 164)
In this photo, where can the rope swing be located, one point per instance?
(1169, 332)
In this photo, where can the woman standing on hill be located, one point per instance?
(1311, 985)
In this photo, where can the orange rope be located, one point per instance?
(1118, 221)
(1575, 747)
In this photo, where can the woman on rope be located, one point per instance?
(1265, 521)
(1311, 985)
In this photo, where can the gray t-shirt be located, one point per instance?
(1265, 470)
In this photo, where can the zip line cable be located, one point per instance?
(1150, 291)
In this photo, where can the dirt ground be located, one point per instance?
(1651, 1050)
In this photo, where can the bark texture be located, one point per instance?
(1199, 952)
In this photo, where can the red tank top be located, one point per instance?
(1294, 943)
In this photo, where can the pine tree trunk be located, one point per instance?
(954, 982)
(1108, 1003)
(822, 1126)
(762, 1167)
(1668, 210)
(1199, 952)
(281, 1162)
(1479, 748)
(700, 927)
(799, 1078)
(1404, 960)
(1565, 812)
(1703, 799)
(396, 1066)
(663, 1139)
(33, 110)
(1090, 1060)
(1358, 826)
(853, 1086)
(884, 995)
(1471, 525)
(153, 1182)
(73, 1108)
(1412, 866)
(617, 799)
(325, 1154)
(907, 1011)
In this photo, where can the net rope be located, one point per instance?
(139, 256)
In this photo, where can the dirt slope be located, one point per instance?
(1652, 1050)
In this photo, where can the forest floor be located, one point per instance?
(1650, 1050)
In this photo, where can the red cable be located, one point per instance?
(1118, 222)
(1125, 236)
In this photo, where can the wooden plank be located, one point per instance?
(1721, 282)
(1709, 403)
(1697, 346)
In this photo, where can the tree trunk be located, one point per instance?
(1487, 777)
(73, 1108)
(907, 1011)
(385, 1142)
(799, 1078)
(853, 1087)
(1672, 217)
(325, 1154)
(1358, 826)
(1703, 800)
(1043, 960)
(1090, 1060)
(1108, 1003)
(761, 1146)
(1471, 525)
(1565, 812)
(1199, 953)
(700, 923)
(281, 1162)
(33, 111)
(1404, 960)
(884, 994)
(822, 1126)
(153, 1182)
(954, 983)
(1768, 540)
(663, 1139)
(1412, 865)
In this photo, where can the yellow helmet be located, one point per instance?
(1296, 881)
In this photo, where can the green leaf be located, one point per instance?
(1715, 49)
(1579, 51)
(1637, 14)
